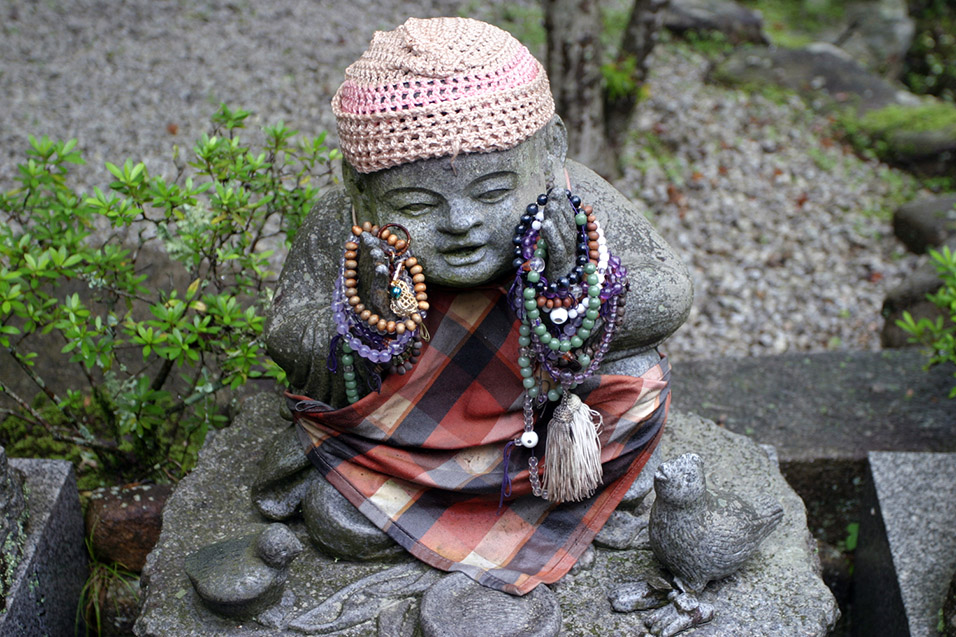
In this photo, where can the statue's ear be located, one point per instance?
(557, 139)
(357, 190)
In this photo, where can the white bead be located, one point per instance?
(559, 315)
(573, 313)
(529, 439)
(535, 225)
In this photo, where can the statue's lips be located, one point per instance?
(464, 255)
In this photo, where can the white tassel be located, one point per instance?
(572, 456)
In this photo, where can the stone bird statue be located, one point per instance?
(700, 535)
(244, 576)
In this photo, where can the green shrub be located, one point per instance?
(151, 355)
(939, 335)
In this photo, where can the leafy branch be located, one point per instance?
(221, 219)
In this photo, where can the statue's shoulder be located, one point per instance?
(329, 219)
(333, 207)
(599, 193)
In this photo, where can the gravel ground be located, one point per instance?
(780, 225)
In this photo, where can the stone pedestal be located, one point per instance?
(49, 575)
(907, 547)
(779, 592)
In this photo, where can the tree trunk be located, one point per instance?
(597, 123)
(574, 69)
(638, 41)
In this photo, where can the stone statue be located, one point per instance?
(456, 309)
(455, 156)
(700, 535)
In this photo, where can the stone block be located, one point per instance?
(778, 593)
(906, 555)
(124, 523)
(53, 568)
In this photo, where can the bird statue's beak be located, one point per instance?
(660, 476)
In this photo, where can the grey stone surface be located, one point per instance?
(47, 582)
(818, 67)
(623, 530)
(925, 152)
(925, 223)
(738, 23)
(907, 545)
(779, 592)
(833, 405)
(283, 478)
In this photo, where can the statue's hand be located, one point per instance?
(374, 276)
(560, 233)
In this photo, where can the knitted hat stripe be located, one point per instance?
(416, 93)
(439, 87)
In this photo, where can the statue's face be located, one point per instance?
(461, 215)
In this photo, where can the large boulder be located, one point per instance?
(819, 67)
(738, 23)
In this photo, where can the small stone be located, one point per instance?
(457, 606)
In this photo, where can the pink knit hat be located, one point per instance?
(439, 87)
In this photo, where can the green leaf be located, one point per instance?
(114, 170)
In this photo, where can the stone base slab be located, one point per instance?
(779, 592)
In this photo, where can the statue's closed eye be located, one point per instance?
(415, 209)
(494, 187)
(412, 201)
(493, 196)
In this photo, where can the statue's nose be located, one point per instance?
(461, 217)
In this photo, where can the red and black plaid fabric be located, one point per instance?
(422, 458)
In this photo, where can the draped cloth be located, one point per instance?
(423, 457)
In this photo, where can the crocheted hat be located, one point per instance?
(439, 87)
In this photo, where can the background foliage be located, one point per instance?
(155, 291)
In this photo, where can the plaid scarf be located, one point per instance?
(423, 457)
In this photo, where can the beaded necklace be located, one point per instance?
(565, 332)
(385, 343)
